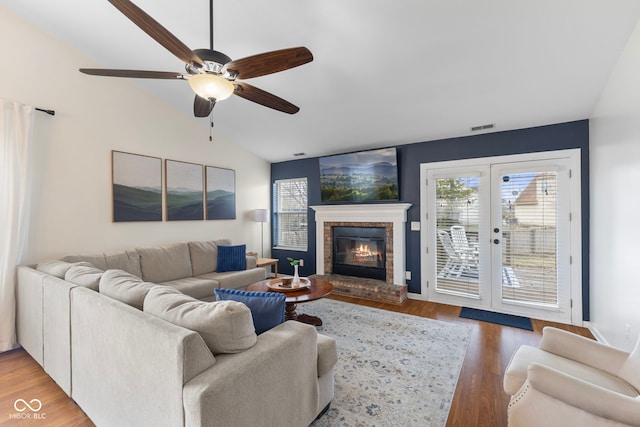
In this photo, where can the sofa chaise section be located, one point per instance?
(128, 368)
(276, 381)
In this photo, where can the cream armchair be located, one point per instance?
(570, 380)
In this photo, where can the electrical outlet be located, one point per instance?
(407, 275)
(415, 225)
(301, 262)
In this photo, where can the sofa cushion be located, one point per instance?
(83, 275)
(236, 279)
(161, 264)
(225, 326)
(232, 258)
(128, 261)
(267, 308)
(124, 287)
(204, 255)
(97, 261)
(58, 268)
(196, 287)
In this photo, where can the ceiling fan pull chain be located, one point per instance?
(210, 128)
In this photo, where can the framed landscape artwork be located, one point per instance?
(184, 191)
(359, 177)
(137, 187)
(221, 193)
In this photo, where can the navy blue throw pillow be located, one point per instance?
(232, 258)
(267, 308)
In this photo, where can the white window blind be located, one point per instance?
(457, 221)
(529, 237)
(290, 211)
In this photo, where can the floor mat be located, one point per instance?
(499, 318)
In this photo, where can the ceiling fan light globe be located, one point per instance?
(211, 86)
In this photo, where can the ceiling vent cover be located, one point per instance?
(483, 127)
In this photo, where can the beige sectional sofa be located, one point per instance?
(189, 267)
(126, 366)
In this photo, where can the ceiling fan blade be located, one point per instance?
(269, 62)
(202, 107)
(137, 74)
(265, 98)
(160, 34)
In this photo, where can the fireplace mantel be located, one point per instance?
(395, 213)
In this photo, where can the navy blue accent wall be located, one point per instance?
(544, 138)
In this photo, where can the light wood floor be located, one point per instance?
(478, 401)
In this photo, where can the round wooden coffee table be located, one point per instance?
(319, 288)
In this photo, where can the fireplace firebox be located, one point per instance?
(359, 251)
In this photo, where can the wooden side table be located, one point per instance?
(266, 262)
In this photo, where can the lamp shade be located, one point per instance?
(211, 86)
(261, 215)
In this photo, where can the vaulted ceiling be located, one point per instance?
(384, 72)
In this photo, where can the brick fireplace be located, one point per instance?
(390, 217)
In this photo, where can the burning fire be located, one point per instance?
(363, 250)
(364, 254)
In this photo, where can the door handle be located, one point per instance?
(496, 241)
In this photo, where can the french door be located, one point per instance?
(503, 234)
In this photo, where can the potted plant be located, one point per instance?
(295, 283)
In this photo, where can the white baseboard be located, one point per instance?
(420, 297)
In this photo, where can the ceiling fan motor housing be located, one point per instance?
(214, 61)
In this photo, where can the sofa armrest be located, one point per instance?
(276, 379)
(550, 398)
(56, 329)
(252, 262)
(29, 308)
(327, 354)
(583, 350)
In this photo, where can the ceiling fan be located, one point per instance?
(212, 75)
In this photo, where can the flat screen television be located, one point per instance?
(359, 177)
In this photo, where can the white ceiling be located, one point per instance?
(384, 72)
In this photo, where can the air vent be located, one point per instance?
(298, 154)
(483, 127)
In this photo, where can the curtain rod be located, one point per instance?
(49, 112)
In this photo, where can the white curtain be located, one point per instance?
(15, 171)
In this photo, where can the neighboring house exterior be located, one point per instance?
(536, 204)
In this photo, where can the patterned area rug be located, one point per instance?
(393, 369)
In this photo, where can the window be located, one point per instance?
(290, 211)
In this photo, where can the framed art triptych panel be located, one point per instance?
(184, 191)
(136, 187)
(221, 193)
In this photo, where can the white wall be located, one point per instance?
(615, 202)
(72, 209)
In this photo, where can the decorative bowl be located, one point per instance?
(283, 284)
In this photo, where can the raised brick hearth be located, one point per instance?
(372, 289)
